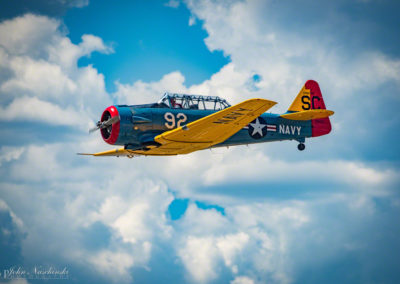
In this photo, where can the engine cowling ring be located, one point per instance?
(110, 134)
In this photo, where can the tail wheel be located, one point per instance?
(301, 146)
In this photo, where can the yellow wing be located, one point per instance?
(212, 129)
(308, 114)
(114, 152)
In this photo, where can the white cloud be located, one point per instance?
(143, 92)
(75, 3)
(255, 166)
(238, 244)
(114, 265)
(17, 221)
(8, 153)
(40, 72)
(75, 197)
(33, 109)
(192, 21)
(16, 281)
(249, 165)
(199, 256)
(172, 4)
(38, 77)
(35, 164)
(66, 54)
(228, 83)
(230, 245)
(25, 35)
(195, 218)
(242, 280)
(256, 234)
(131, 219)
(247, 31)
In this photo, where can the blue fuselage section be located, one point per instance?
(140, 124)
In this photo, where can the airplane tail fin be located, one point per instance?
(309, 100)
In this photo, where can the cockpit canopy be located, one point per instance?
(193, 102)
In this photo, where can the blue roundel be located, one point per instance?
(258, 128)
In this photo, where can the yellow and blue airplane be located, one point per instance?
(181, 124)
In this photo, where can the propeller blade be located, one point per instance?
(109, 122)
(91, 130)
(104, 124)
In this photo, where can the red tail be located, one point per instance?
(319, 126)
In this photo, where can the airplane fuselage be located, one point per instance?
(140, 124)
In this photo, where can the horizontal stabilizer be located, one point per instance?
(308, 114)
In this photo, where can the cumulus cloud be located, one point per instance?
(25, 35)
(199, 257)
(131, 219)
(146, 92)
(251, 165)
(253, 237)
(272, 241)
(8, 153)
(229, 246)
(33, 109)
(227, 83)
(133, 209)
(242, 280)
(248, 32)
(17, 221)
(42, 81)
(114, 265)
(239, 244)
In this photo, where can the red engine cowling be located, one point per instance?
(110, 133)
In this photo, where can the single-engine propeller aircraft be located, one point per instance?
(181, 124)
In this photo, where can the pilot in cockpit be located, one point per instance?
(174, 104)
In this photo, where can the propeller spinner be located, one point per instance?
(105, 124)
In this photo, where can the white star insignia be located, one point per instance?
(257, 127)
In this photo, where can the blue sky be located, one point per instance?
(264, 213)
(139, 55)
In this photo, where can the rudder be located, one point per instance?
(310, 97)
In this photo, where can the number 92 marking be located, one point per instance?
(171, 120)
